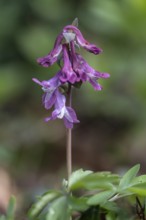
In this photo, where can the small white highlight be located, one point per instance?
(69, 36)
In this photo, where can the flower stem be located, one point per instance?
(69, 139)
(69, 152)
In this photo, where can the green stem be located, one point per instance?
(69, 139)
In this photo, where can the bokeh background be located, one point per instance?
(112, 132)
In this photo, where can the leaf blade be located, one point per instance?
(100, 197)
(59, 210)
(126, 180)
(76, 177)
(42, 202)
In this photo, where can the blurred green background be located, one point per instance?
(112, 132)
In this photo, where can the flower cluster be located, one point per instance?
(75, 70)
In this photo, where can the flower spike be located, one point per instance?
(74, 71)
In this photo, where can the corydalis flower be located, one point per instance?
(74, 71)
(68, 75)
(49, 87)
(52, 96)
(63, 112)
(88, 73)
(52, 57)
(85, 71)
(81, 40)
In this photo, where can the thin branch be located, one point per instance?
(140, 209)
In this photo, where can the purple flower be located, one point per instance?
(74, 69)
(77, 64)
(68, 75)
(85, 71)
(63, 112)
(91, 74)
(81, 40)
(49, 87)
(52, 57)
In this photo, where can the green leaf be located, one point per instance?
(139, 180)
(78, 204)
(102, 181)
(42, 202)
(110, 206)
(11, 208)
(76, 177)
(129, 176)
(59, 210)
(99, 180)
(100, 198)
(139, 189)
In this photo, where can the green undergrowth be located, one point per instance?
(91, 195)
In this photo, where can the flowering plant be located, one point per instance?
(100, 190)
(85, 195)
(74, 71)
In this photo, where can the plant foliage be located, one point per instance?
(92, 195)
